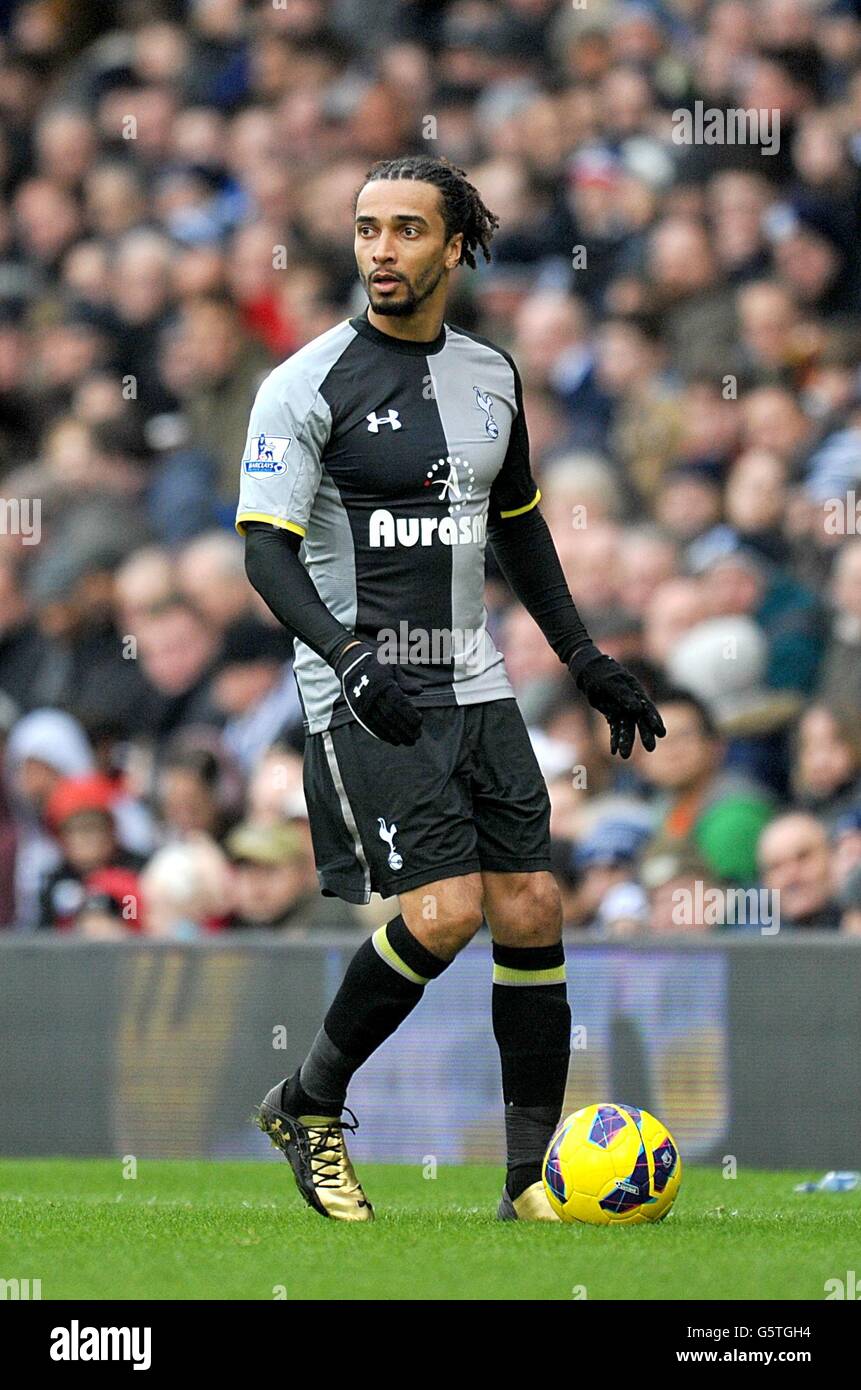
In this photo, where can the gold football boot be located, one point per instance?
(315, 1148)
(531, 1205)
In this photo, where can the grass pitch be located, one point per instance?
(220, 1230)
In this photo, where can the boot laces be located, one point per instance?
(326, 1152)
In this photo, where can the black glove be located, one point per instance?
(375, 695)
(618, 695)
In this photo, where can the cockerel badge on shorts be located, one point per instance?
(388, 834)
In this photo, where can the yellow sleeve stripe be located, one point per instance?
(509, 975)
(273, 521)
(518, 511)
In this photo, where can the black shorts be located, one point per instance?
(469, 796)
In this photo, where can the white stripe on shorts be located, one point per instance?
(347, 811)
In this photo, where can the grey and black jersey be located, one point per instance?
(391, 459)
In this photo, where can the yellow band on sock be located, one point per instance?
(384, 948)
(509, 975)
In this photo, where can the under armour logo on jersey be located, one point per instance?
(388, 834)
(485, 403)
(376, 420)
(357, 689)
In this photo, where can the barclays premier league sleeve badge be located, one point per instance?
(267, 455)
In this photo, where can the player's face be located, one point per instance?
(401, 247)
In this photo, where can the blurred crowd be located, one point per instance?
(176, 218)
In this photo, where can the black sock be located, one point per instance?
(384, 982)
(532, 1027)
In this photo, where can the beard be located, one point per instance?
(413, 298)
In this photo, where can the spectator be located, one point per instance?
(739, 580)
(646, 421)
(678, 881)
(687, 501)
(79, 814)
(254, 689)
(841, 675)
(827, 762)
(142, 584)
(222, 369)
(769, 329)
(606, 858)
(703, 811)
(697, 312)
(275, 883)
(846, 854)
(649, 559)
(43, 747)
(195, 791)
(795, 862)
(22, 647)
(756, 496)
(178, 653)
(723, 661)
(210, 573)
(185, 889)
(675, 607)
(553, 349)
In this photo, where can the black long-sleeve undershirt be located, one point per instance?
(523, 547)
(274, 569)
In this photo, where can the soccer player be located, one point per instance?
(380, 458)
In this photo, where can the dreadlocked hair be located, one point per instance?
(463, 209)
